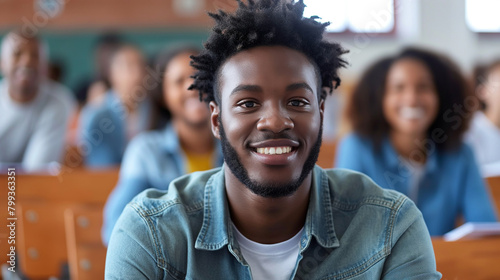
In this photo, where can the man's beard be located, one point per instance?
(269, 189)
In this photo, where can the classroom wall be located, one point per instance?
(75, 49)
(438, 24)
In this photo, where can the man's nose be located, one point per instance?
(28, 59)
(275, 119)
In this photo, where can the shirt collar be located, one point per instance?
(216, 232)
(171, 141)
(319, 221)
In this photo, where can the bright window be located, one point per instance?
(482, 15)
(358, 16)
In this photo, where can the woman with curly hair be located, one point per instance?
(408, 114)
(181, 142)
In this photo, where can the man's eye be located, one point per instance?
(248, 104)
(297, 103)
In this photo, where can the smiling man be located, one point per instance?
(34, 110)
(269, 212)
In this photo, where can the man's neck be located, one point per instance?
(267, 220)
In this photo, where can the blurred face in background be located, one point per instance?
(184, 105)
(22, 64)
(490, 91)
(411, 101)
(127, 71)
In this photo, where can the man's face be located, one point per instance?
(270, 119)
(21, 65)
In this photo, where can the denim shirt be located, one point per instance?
(353, 230)
(152, 160)
(451, 185)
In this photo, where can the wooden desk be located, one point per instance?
(468, 259)
(40, 204)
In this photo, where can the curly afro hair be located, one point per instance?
(266, 23)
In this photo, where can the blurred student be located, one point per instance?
(34, 110)
(407, 137)
(97, 85)
(484, 132)
(183, 144)
(108, 122)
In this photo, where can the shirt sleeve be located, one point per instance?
(349, 154)
(131, 252)
(477, 203)
(412, 254)
(47, 142)
(133, 180)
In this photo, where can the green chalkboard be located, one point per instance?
(74, 49)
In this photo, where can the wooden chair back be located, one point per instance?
(86, 253)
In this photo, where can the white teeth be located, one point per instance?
(274, 150)
(412, 113)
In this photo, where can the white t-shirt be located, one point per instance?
(270, 261)
(484, 137)
(33, 134)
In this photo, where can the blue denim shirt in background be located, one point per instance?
(451, 185)
(152, 160)
(103, 129)
(353, 230)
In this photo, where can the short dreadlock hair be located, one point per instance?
(266, 23)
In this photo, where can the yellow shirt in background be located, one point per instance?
(199, 162)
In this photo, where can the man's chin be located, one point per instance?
(273, 189)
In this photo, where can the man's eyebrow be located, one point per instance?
(251, 88)
(297, 86)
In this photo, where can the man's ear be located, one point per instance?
(321, 108)
(214, 119)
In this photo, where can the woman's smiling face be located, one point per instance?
(410, 103)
